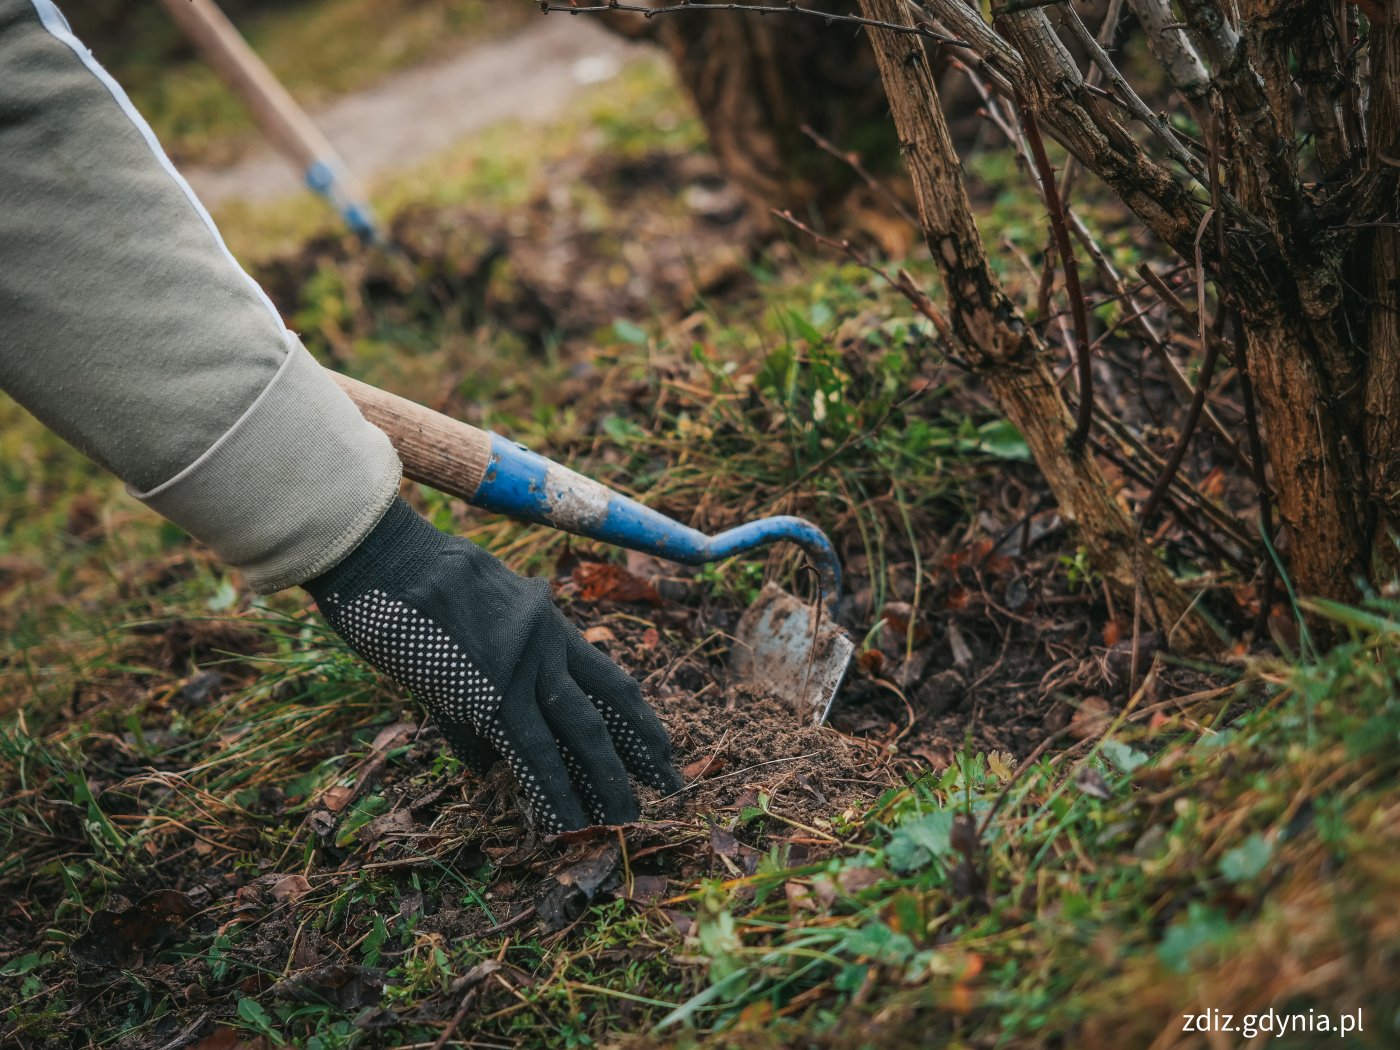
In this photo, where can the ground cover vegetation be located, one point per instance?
(1032, 822)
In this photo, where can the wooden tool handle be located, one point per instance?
(285, 122)
(437, 450)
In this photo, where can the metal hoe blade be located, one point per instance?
(793, 651)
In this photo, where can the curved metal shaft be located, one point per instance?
(521, 484)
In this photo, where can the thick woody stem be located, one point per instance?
(1002, 349)
(1168, 43)
(1382, 249)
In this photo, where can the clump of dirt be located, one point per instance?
(736, 745)
(549, 271)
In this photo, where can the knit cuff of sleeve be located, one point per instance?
(292, 487)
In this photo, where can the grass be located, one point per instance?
(1232, 848)
(1201, 856)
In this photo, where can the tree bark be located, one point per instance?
(756, 81)
(1379, 252)
(1002, 349)
(1309, 378)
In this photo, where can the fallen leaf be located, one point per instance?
(871, 661)
(704, 767)
(289, 888)
(577, 885)
(824, 891)
(651, 638)
(599, 634)
(1090, 719)
(1091, 782)
(336, 798)
(225, 1038)
(854, 880)
(475, 976)
(397, 823)
(600, 581)
(798, 896)
(345, 985)
(722, 842)
(305, 954)
(121, 939)
(681, 921)
(393, 735)
(938, 758)
(644, 889)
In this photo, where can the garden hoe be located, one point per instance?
(782, 645)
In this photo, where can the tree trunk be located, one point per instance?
(756, 81)
(1378, 252)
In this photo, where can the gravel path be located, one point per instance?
(412, 115)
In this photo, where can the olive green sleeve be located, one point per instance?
(128, 328)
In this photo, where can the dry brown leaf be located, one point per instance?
(599, 634)
(704, 767)
(722, 842)
(799, 896)
(121, 939)
(225, 1038)
(338, 797)
(1091, 718)
(606, 582)
(854, 880)
(290, 888)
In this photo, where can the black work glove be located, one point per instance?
(499, 668)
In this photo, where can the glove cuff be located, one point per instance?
(397, 551)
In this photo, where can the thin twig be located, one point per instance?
(903, 283)
(919, 29)
(1188, 428)
(852, 161)
(1084, 415)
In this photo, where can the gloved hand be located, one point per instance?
(499, 668)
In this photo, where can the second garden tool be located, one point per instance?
(786, 647)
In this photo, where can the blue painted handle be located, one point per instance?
(521, 484)
(323, 176)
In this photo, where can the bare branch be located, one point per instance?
(1084, 416)
(902, 282)
(852, 160)
(1131, 101)
(1166, 39)
(920, 29)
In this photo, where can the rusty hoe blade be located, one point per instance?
(793, 650)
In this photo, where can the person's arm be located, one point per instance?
(130, 330)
